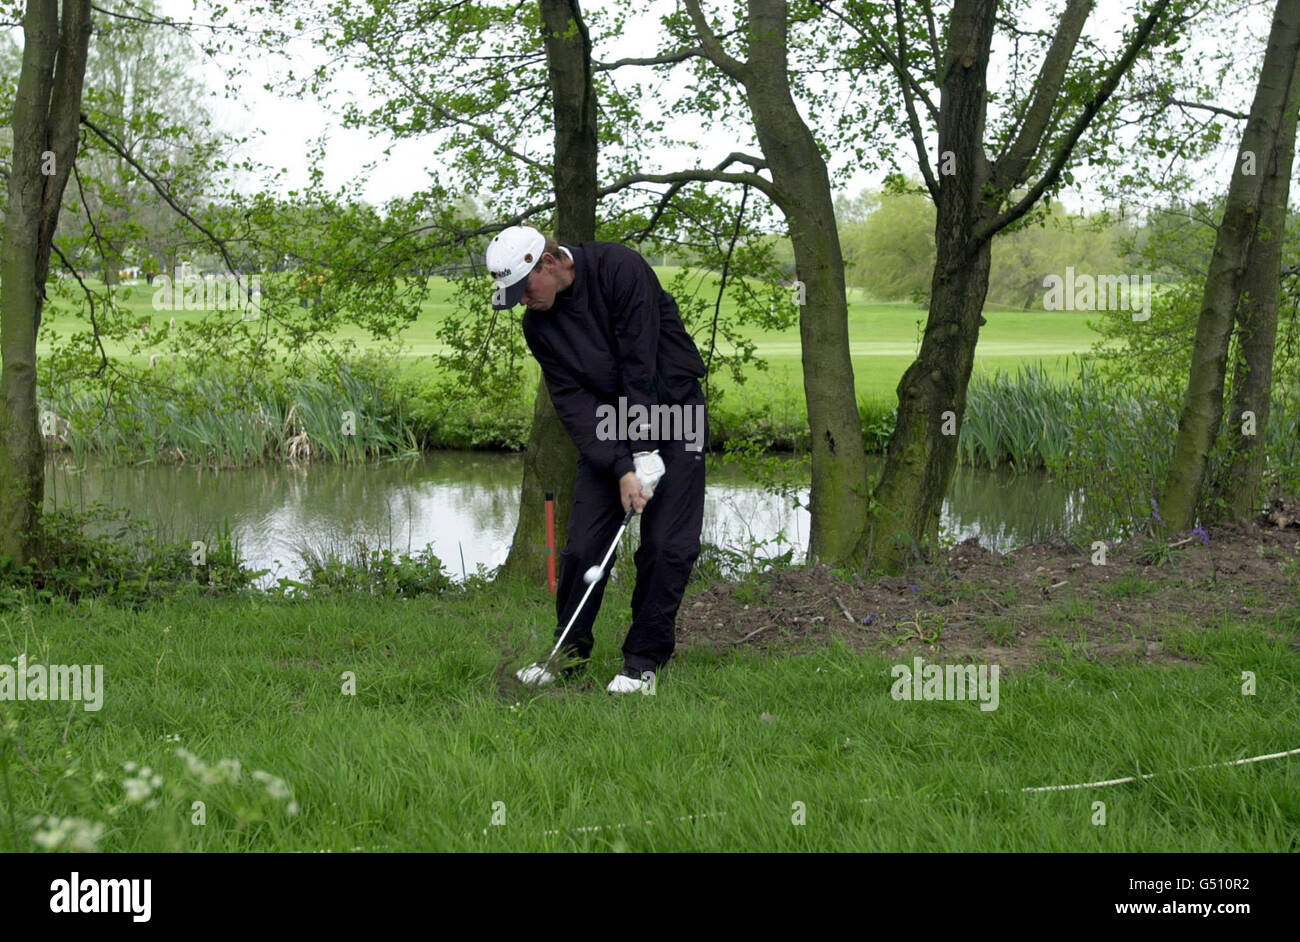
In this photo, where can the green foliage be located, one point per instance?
(782, 475)
(1121, 441)
(890, 253)
(99, 554)
(371, 571)
(718, 564)
(878, 420)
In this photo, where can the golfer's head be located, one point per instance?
(525, 267)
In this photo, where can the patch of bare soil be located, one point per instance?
(1038, 602)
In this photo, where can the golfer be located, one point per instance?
(609, 339)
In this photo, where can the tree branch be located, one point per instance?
(162, 191)
(732, 68)
(878, 43)
(665, 59)
(1009, 169)
(1195, 106)
(988, 229)
(913, 119)
(672, 191)
(90, 298)
(762, 184)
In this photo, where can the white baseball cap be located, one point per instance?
(511, 256)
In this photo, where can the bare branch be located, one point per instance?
(90, 299)
(672, 191)
(666, 59)
(934, 36)
(1192, 106)
(913, 120)
(762, 184)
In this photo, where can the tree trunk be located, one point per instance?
(551, 459)
(47, 109)
(932, 393)
(839, 464)
(1241, 479)
(1198, 425)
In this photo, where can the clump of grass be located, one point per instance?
(372, 571)
(1023, 421)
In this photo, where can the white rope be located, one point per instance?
(1035, 788)
(1134, 778)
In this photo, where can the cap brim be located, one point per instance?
(513, 294)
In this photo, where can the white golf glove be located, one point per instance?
(649, 469)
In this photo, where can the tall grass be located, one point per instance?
(425, 747)
(223, 422)
(1023, 421)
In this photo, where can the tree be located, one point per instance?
(891, 252)
(800, 187)
(479, 80)
(1024, 255)
(47, 106)
(981, 187)
(1253, 220)
(551, 458)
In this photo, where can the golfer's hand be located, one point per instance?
(630, 491)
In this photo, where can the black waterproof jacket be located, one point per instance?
(613, 332)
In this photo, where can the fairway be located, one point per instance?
(883, 339)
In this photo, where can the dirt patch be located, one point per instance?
(1035, 603)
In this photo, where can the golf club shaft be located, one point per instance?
(605, 562)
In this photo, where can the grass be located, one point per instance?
(883, 339)
(427, 752)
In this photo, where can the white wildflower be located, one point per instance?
(275, 787)
(137, 790)
(75, 834)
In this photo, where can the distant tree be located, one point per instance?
(890, 252)
(1049, 244)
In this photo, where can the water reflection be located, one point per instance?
(464, 504)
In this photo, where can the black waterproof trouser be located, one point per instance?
(670, 544)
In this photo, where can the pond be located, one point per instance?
(463, 506)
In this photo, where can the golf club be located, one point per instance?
(591, 581)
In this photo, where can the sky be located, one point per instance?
(281, 129)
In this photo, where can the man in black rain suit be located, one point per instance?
(624, 375)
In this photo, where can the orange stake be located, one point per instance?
(550, 541)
